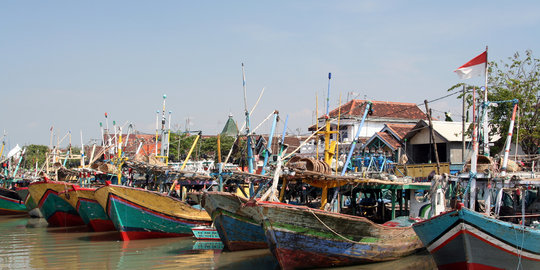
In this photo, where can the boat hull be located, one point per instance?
(142, 214)
(235, 225)
(463, 239)
(300, 237)
(91, 212)
(11, 203)
(57, 211)
(205, 233)
(31, 205)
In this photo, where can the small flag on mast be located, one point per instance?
(473, 68)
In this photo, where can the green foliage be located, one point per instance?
(517, 78)
(34, 153)
(206, 148)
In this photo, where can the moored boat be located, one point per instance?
(236, 228)
(205, 233)
(57, 211)
(30, 204)
(140, 214)
(11, 203)
(91, 212)
(302, 237)
(464, 239)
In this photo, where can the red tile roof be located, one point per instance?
(400, 129)
(381, 109)
(389, 139)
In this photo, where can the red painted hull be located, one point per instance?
(467, 266)
(239, 245)
(12, 212)
(137, 235)
(295, 259)
(100, 225)
(61, 219)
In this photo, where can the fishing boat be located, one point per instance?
(30, 204)
(57, 211)
(11, 203)
(93, 215)
(139, 214)
(205, 233)
(236, 228)
(302, 237)
(465, 239)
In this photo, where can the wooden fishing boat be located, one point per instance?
(11, 203)
(236, 228)
(140, 214)
(57, 211)
(83, 200)
(464, 239)
(30, 204)
(302, 237)
(205, 233)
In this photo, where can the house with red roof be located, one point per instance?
(383, 112)
(389, 141)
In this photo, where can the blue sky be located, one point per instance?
(66, 63)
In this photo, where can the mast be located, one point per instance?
(120, 159)
(328, 94)
(82, 151)
(162, 150)
(509, 139)
(353, 144)
(168, 140)
(269, 146)
(474, 158)
(248, 125)
(484, 111)
(157, 129)
(463, 127)
(317, 125)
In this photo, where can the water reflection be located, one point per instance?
(27, 244)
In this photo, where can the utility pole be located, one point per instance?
(428, 111)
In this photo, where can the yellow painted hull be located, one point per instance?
(139, 213)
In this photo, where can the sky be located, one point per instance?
(63, 64)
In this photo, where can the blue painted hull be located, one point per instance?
(464, 239)
(237, 232)
(301, 237)
(234, 223)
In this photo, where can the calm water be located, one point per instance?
(28, 244)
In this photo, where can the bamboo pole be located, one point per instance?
(317, 125)
(185, 160)
(337, 135)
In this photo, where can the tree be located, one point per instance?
(34, 153)
(518, 78)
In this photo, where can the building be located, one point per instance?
(449, 141)
(388, 141)
(383, 112)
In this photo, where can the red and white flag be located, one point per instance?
(475, 67)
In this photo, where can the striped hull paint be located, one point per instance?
(27, 199)
(300, 237)
(11, 203)
(33, 210)
(235, 225)
(142, 214)
(57, 211)
(464, 239)
(93, 215)
(205, 233)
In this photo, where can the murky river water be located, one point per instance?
(27, 243)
